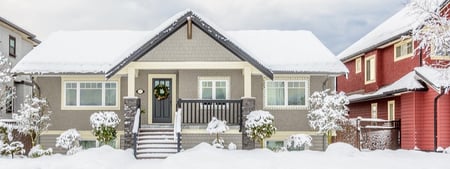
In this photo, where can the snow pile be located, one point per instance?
(297, 141)
(342, 149)
(232, 146)
(69, 140)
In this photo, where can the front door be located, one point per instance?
(162, 106)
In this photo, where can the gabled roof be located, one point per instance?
(176, 22)
(394, 28)
(437, 78)
(404, 84)
(31, 36)
(107, 52)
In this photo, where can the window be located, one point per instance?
(391, 110)
(370, 69)
(403, 50)
(274, 145)
(373, 110)
(214, 88)
(358, 65)
(90, 94)
(286, 93)
(86, 144)
(12, 46)
(440, 54)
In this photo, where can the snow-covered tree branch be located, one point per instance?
(216, 126)
(327, 110)
(7, 91)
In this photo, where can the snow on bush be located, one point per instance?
(38, 151)
(33, 118)
(216, 126)
(327, 110)
(13, 148)
(342, 149)
(447, 150)
(69, 140)
(7, 90)
(104, 126)
(232, 146)
(259, 125)
(298, 141)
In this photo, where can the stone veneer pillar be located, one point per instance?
(248, 105)
(131, 104)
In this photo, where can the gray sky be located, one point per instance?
(337, 23)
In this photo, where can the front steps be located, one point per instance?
(155, 142)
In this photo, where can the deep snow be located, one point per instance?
(204, 156)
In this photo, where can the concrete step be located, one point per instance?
(155, 133)
(156, 129)
(143, 151)
(157, 142)
(158, 146)
(155, 137)
(153, 155)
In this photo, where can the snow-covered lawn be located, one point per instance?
(205, 156)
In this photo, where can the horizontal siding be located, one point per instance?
(190, 140)
(444, 121)
(408, 135)
(49, 141)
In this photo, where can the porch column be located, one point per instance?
(131, 82)
(247, 82)
(248, 105)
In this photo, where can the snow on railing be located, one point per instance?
(177, 123)
(137, 120)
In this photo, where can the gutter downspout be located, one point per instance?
(435, 117)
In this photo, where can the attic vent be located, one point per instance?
(189, 28)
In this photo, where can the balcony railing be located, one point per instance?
(196, 111)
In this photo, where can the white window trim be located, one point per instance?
(391, 102)
(372, 114)
(89, 80)
(285, 106)
(401, 43)
(374, 69)
(358, 65)
(214, 79)
(436, 57)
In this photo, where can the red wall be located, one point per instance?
(362, 109)
(388, 71)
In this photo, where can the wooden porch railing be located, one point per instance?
(196, 111)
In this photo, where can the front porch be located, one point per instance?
(188, 128)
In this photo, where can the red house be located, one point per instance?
(387, 81)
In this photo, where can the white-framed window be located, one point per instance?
(91, 94)
(403, 49)
(391, 110)
(358, 65)
(215, 88)
(286, 93)
(370, 69)
(87, 144)
(439, 55)
(374, 110)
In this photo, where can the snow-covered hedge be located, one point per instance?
(216, 126)
(13, 148)
(259, 125)
(104, 126)
(69, 140)
(298, 141)
(38, 151)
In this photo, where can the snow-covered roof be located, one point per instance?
(391, 29)
(107, 52)
(406, 83)
(80, 51)
(436, 77)
(296, 51)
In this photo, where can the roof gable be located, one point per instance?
(176, 22)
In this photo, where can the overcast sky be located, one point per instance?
(337, 23)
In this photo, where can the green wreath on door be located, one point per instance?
(161, 92)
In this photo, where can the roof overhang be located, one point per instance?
(28, 35)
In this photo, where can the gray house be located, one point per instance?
(15, 43)
(185, 63)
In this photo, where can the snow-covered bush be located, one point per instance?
(232, 146)
(7, 90)
(69, 140)
(104, 126)
(13, 148)
(33, 118)
(298, 142)
(216, 126)
(38, 151)
(259, 125)
(327, 111)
